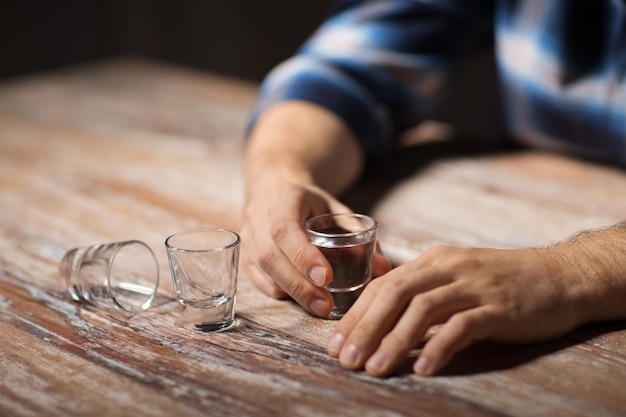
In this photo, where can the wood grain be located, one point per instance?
(132, 149)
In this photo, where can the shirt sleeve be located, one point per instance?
(380, 65)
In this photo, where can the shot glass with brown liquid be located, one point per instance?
(348, 242)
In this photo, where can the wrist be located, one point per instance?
(594, 265)
(262, 178)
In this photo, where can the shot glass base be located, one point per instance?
(212, 315)
(343, 300)
(209, 327)
(336, 315)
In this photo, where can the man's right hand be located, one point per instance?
(276, 253)
(298, 157)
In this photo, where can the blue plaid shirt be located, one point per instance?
(381, 65)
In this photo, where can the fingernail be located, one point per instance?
(377, 361)
(319, 307)
(422, 366)
(349, 356)
(335, 343)
(318, 276)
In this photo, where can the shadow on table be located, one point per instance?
(382, 175)
(483, 357)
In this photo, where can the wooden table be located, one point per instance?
(137, 150)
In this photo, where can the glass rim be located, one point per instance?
(366, 231)
(108, 279)
(234, 243)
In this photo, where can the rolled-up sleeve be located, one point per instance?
(380, 65)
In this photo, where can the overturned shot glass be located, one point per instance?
(120, 277)
(204, 264)
(348, 242)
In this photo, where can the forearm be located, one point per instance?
(597, 260)
(304, 144)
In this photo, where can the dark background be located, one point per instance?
(242, 38)
(239, 38)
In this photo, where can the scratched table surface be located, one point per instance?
(130, 149)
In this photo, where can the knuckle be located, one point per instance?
(449, 258)
(275, 292)
(365, 330)
(265, 259)
(438, 251)
(297, 290)
(394, 286)
(279, 286)
(279, 229)
(301, 257)
(423, 304)
(462, 261)
(394, 289)
(462, 321)
(395, 342)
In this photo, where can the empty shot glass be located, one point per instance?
(120, 277)
(204, 264)
(348, 242)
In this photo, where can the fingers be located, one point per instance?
(278, 256)
(274, 267)
(249, 266)
(476, 293)
(350, 321)
(381, 305)
(289, 237)
(424, 310)
(264, 283)
(394, 313)
(455, 335)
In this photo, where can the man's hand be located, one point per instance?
(297, 158)
(276, 253)
(513, 296)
